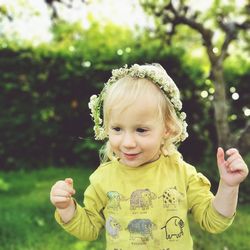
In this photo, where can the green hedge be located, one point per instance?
(44, 93)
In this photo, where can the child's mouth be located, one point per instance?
(130, 156)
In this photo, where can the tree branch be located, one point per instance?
(50, 3)
(231, 30)
(175, 13)
(179, 16)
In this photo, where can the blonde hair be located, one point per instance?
(123, 94)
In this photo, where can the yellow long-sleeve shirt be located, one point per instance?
(146, 207)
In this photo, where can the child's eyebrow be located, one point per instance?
(142, 125)
(114, 124)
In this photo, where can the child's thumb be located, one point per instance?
(220, 157)
(69, 181)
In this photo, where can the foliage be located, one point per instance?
(4, 186)
(45, 90)
(223, 24)
(27, 220)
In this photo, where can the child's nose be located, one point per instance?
(129, 140)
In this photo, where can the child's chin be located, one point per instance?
(130, 163)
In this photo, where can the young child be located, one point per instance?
(144, 190)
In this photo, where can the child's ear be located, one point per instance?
(166, 132)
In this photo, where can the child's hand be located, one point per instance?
(61, 192)
(233, 170)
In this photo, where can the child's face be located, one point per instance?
(136, 133)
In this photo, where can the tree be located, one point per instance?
(66, 3)
(171, 14)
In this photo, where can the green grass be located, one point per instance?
(27, 217)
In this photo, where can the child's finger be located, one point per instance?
(59, 199)
(62, 185)
(232, 151)
(220, 157)
(70, 183)
(61, 193)
(238, 165)
(233, 157)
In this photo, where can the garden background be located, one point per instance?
(46, 81)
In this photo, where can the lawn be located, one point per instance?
(27, 222)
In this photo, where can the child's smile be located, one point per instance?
(130, 156)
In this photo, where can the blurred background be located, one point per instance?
(54, 54)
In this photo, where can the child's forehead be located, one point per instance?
(140, 103)
(140, 111)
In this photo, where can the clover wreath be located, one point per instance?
(159, 78)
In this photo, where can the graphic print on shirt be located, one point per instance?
(114, 199)
(171, 197)
(142, 199)
(141, 229)
(112, 227)
(174, 228)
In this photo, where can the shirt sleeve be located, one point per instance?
(200, 203)
(88, 219)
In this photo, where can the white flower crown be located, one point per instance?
(155, 74)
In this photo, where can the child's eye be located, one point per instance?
(117, 129)
(141, 130)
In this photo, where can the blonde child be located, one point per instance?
(143, 190)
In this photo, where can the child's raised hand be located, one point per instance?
(61, 192)
(233, 170)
